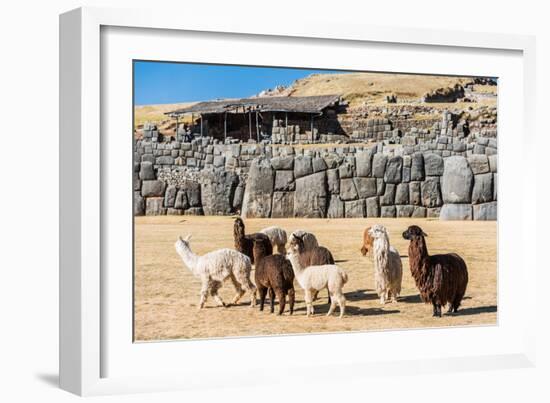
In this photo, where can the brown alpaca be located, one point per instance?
(255, 246)
(274, 273)
(441, 279)
(367, 242)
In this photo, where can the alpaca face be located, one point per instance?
(296, 244)
(183, 242)
(378, 231)
(414, 232)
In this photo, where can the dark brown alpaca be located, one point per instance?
(317, 256)
(441, 279)
(274, 273)
(255, 246)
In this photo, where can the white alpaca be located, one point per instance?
(214, 268)
(388, 269)
(309, 239)
(314, 278)
(277, 237)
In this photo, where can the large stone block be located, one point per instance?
(355, 209)
(170, 196)
(154, 206)
(433, 165)
(456, 212)
(389, 195)
(333, 181)
(217, 192)
(415, 194)
(146, 171)
(335, 207)
(394, 167)
(259, 189)
(283, 163)
(366, 187)
(348, 191)
(283, 205)
(302, 166)
(284, 180)
(345, 170)
(181, 200)
(417, 167)
(388, 212)
(433, 212)
(493, 163)
(379, 165)
(193, 193)
(363, 162)
(404, 211)
(139, 204)
(479, 164)
(402, 193)
(485, 211)
(373, 208)
(495, 186)
(430, 192)
(419, 212)
(483, 188)
(310, 197)
(457, 181)
(319, 164)
(152, 188)
(165, 160)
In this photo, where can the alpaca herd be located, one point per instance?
(440, 279)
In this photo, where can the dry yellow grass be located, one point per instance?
(155, 113)
(373, 87)
(166, 294)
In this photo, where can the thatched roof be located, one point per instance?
(314, 104)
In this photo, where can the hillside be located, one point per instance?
(358, 88)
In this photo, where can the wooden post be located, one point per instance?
(224, 126)
(286, 126)
(257, 129)
(249, 124)
(312, 136)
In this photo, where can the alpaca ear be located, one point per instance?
(180, 238)
(188, 238)
(424, 234)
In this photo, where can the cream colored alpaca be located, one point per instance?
(314, 278)
(388, 269)
(310, 241)
(214, 268)
(277, 237)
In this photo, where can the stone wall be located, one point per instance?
(261, 180)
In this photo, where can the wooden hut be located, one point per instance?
(284, 118)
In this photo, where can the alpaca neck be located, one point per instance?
(381, 250)
(296, 266)
(418, 254)
(188, 257)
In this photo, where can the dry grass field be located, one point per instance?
(166, 294)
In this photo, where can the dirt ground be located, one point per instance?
(167, 295)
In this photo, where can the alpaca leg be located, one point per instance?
(328, 295)
(314, 295)
(309, 304)
(238, 288)
(272, 299)
(342, 304)
(436, 309)
(214, 287)
(263, 293)
(204, 295)
(332, 306)
(291, 297)
(282, 300)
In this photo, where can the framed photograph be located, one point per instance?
(232, 191)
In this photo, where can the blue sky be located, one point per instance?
(164, 83)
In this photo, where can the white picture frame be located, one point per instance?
(86, 311)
